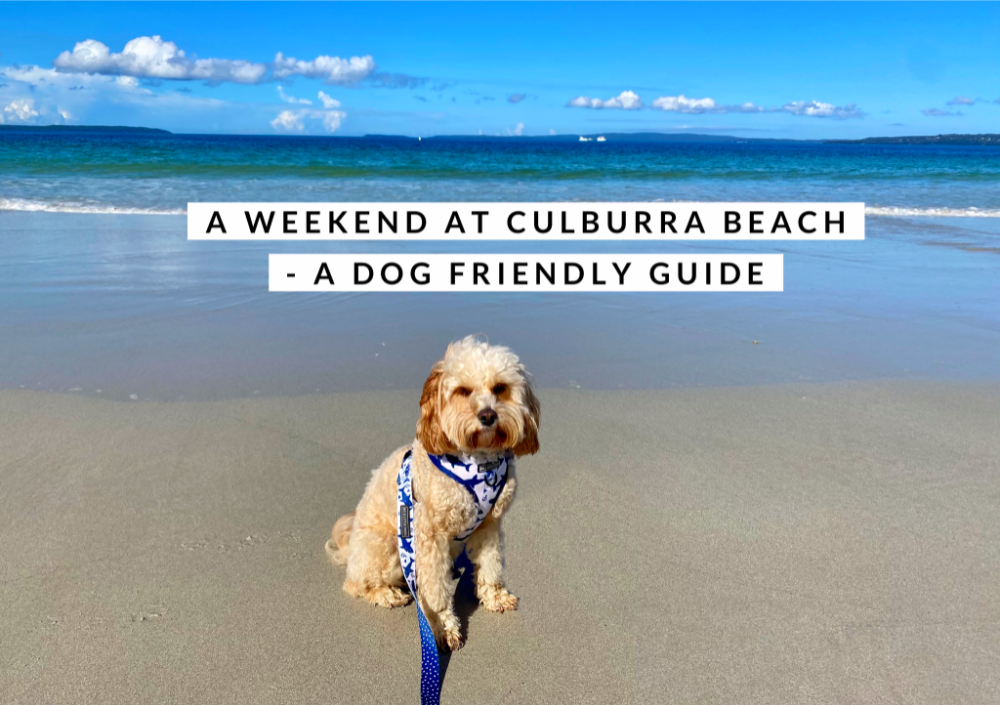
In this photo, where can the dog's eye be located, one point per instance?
(499, 389)
(463, 391)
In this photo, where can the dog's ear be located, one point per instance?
(532, 410)
(429, 431)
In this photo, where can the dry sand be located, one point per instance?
(785, 544)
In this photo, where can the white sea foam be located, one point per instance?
(22, 204)
(933, 212)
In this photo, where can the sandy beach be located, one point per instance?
(790, 543)
(741, 499)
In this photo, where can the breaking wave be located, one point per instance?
(23, 204)
(933, 212)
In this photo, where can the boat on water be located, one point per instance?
(586, 139)
(602, 139)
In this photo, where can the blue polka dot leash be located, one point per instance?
(430, 666)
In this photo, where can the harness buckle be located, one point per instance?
(405, 521)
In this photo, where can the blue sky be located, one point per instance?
(784, 70)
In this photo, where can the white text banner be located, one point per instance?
(526, 221)
(527, 272)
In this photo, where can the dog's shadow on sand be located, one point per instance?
(466, 604)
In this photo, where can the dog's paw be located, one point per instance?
(446, 632)
(495, 598)
(388, 596)
(451, 639)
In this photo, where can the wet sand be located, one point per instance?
(834, 543)
(126, 305)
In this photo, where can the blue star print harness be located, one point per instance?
(484, 481)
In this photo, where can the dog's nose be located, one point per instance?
(487, 417)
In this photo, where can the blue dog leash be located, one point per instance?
(430, 664)
(484, 482)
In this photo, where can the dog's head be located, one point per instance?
(478, 398)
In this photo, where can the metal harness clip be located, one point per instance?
(404, 521)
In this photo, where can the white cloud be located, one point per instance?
(517, 131)
(291, 99)
(86, 98)
(332, 119)
(626, 100)
(328, 102)
(152, 57)
(294, 120)
(155, 58)
(934, 112)
(288, 121)
(814, 108)
(682, 104)
(39, 77)
(332, 69)
(961, 100)
(22, 110)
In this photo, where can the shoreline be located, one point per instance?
(127, 305)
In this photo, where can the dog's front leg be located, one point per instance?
(437, 588)
(485, 551)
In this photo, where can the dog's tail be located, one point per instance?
(336, 547)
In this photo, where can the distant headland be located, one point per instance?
(618, 137)
(604, 137)
(82, 128)
(925, 139)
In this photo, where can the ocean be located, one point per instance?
(153, 173)
(102, 294)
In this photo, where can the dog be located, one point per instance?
(477, 404)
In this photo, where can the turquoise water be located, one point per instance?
(161, 173)
(102, 294)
